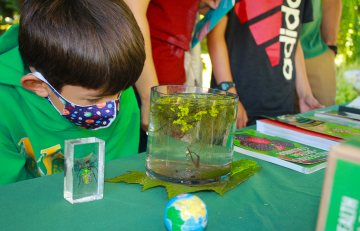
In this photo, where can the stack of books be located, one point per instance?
(293, 155)
(297, 142)
(297, 134)
(311, 132)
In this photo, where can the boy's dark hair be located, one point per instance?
(95, 44)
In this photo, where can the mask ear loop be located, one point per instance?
(41, 77)
(115, 106)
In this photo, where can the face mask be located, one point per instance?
(88, 117)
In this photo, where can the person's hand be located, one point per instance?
(309, 103)
(241, 119)
(206, 5)
(144, 116)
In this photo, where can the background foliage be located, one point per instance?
(349, 52)
(8, 14)
(349, 34)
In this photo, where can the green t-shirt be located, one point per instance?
(32, 131)
(310, 36)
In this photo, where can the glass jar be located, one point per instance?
(191, 134)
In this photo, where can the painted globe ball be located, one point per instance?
(186, 212)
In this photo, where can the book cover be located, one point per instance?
(319, 126)
(293, 155)
(203, 27)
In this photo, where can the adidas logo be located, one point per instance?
(271, 27)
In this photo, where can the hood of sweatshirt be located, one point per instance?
(12, 70)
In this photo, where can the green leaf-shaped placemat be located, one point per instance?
(241, 170)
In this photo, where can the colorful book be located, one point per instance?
(203, 27)
(297, 134)
(319, 126)
(339, 116)
(283, 152)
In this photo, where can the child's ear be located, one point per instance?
(31, 83)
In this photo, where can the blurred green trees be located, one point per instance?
(8, 14)
(348, 57)
(349, 33)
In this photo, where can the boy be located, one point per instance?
(71, 79)
(256, 47)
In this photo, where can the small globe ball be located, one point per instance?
(186, 212)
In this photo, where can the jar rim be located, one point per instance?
(194, 90)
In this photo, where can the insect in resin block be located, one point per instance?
(84, 170)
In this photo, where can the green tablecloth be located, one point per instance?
(275, 198)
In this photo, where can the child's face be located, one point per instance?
(80, 96)
(75, 94)
(99, 110)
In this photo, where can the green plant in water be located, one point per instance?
(191, 132)
(184, 111)
(183, 114)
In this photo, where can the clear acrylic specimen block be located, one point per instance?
(84, 170)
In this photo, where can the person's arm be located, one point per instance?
(307, 102)
(331, 16)
(221, 65)
(148, 77)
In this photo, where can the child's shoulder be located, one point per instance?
(9, 39)
(9, 97)
(128, 96)
(5, 88)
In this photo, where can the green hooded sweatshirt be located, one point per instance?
(33, 133)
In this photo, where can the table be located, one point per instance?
(275, 198)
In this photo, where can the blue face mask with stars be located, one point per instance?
(91, 117)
